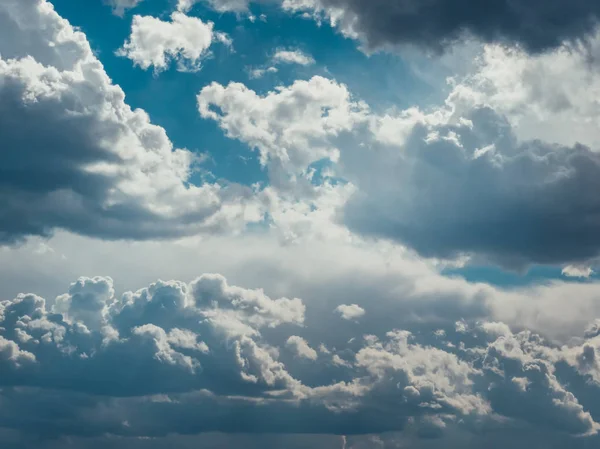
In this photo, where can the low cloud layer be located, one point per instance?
(197, 357)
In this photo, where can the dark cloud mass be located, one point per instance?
(536, 25)
(473, 188)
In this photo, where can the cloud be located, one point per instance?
(577, 271)
(453, 180)
(259, 73)
(120, 6)
(188, 358)
(167, 357)
(301, 347)
(544, 96)
(282, 56)
(237, 6)
(77, 157)
(154, 43)
(536, 26)
(350, 312)
(291, 127)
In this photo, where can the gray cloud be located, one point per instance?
(534, 25)
(206, 356)
(472, 187)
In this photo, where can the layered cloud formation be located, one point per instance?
(309, 309)
(208, 354)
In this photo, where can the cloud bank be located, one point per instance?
(77, 157)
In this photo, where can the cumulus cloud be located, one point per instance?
(291, 127)
(350, 312)
(154, 43)
(534, 25)
(452, 180)
(77, 157)
(548, 96)
(301, 347)
(166, 358)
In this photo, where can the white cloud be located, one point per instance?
(577, 271)
(259, 73)
(350, 312)
(120, 6)
(550, 96)
(154, 43)
(111, 172)
(301, 347)
(291, 127)
(237, 6)
(296, 56)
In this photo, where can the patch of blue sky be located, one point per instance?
(535, 275)
(383, 80)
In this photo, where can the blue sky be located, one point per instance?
(170, 97)
(303, 224)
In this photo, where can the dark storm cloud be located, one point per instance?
(536, 25)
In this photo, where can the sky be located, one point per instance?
(300, 224)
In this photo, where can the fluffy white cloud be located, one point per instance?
(301, 347)
(291, 127)
(350, 312)
(283, 56)
(76, 156)
(550, 96)
(154, 43)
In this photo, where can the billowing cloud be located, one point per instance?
(188, 358)
(461, 178)
(154, 43)
(77, 157)
(301, 347)
(291, 127)
(350, 339)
